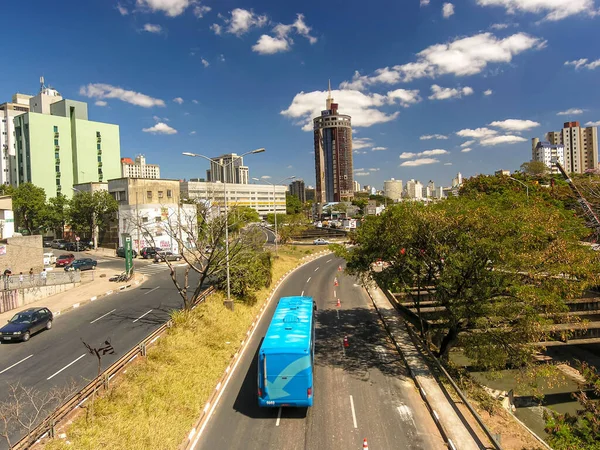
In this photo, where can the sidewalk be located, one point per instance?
(442, 410)
(88, 291)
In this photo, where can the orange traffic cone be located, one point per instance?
(339, 303)
(346, 344)
(365, 445)
(339, 268)
(335, 282)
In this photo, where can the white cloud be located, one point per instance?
(437, 151)
(178, 100)
(406, 97)
(488, 92)
(407, 155)
(374, 169)
(447, 10)
(266, 177)
(290, 167)
(359, 170)
(419, 162)
(282, 42)
(195, 102)
(362, 107)
(515, 124)
(570, 112)
(466, 150)
(268, 45)
(124, 11)
(361, 174)
(242, 20)
(205, 63)
(467, 143)
(505, 139)
(171, 8)
(461, 57)
(499, 26)
(104, 91)
(200, 10)
(222, 57)
(583, 63)
(160, 128)
(192, 133)
(361, 143)
(378, 149)
(447, 164)
(216, 28)
(593, 124)
(152, 28)
(424, 2)
(477, 133)
(554, 9)
(432, 136)
(101, 103)
(442, 93)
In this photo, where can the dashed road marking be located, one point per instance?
(353, 412)
(308, 279)
(67, 366)
(278, 418)
(104, 315)
(143, 315)
(316, 269)
(18, 362)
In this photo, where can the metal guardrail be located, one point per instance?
(47, 427)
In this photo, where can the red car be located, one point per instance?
(63, 260)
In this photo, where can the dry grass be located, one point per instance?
(156, 403)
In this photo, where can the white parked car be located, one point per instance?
(49, 259)
(320, 241)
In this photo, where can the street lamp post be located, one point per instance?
(229, 302)
(275, 204)
(526, 187)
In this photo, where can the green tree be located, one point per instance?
(29, 206)
(293, 226)
(499, 267)
(582, 429)
(534, 168)
(242, 216)
(57, 214)
(88, 209)
(293, 205)
(361, 203)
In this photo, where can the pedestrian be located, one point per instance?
(31, 276)
(6, 276)
(21, 279)
(43, 276)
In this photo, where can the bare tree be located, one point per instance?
(198, 233)
(26, 407)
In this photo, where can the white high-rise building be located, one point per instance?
(547, 153)
(8, 111)
(139, 168)
(414, 189)
(356, 185)
(457, 181)
(580, 146)
(393, 189)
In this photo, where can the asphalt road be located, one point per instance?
(57, 357)
(363, 391)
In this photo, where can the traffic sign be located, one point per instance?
(77, 238)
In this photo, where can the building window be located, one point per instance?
(58, 182)
(160, 194)
(157, 219)
(149, 195)
(97, 134)
(99, 158)
(57, 168)
(169, 193)
(55, 129)
(144, 220)
(55, 141)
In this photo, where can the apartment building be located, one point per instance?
(138, 168)
(580, 146)
(8, 111)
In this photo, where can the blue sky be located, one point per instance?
(230, 76)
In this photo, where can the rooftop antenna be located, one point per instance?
(42, 85)
(329, 98)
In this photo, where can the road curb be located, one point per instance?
(96, 297)
(194, 434)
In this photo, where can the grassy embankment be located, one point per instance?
(157, 402)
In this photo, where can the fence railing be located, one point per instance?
(47, 427)
(36, 280)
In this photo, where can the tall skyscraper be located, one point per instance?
(333, 154)
(8, 111)
(580, 146)
(297, 189)
(228, 172)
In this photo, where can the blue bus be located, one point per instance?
(286, 356)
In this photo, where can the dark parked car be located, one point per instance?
(166, 256)
(59, 244)
(81, 264)
(25, 323)
(121, 252)
(63, 260)
(47, 242)
(76, 246)
(149, 252)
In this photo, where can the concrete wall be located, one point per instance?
(16, 298)
(23, 253)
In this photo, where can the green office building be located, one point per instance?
(58, 147)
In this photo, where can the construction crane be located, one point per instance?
(588, 211)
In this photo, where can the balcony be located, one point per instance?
(56, 160)
(57, 174)
(99, 152)
(57, 147)
(99, 163)
(56, 135)
(98, 139)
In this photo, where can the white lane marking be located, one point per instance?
(308, 279)
(405, 413)
(18, 362)
(67, 366)
(329, 260)
(334, 296)
(353, 412)
(302, 295)
(316, 269)
(151, 290)
(278, 417)
(95, 320)
(145, 314)
(338, 312)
